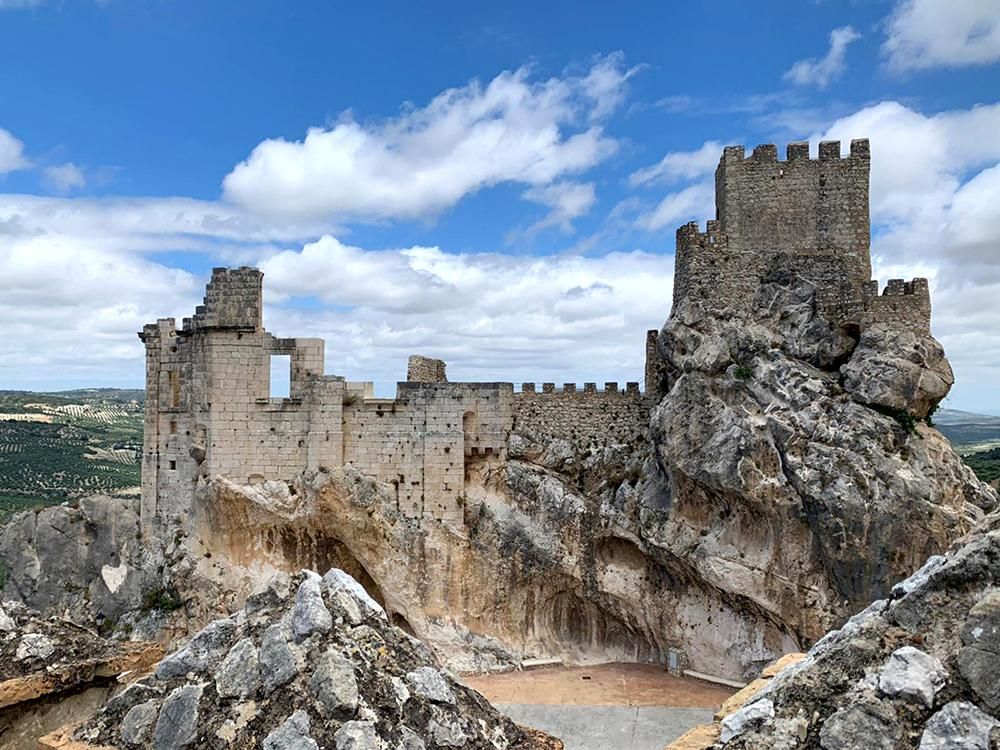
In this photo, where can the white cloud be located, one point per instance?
(71, 310)
(567, 201)
(932, 33)
(427, 159)
(11, 153)
(824, 70)
(64, 177)
(491, 316)
(144, 223)
(680, 165)
(695, 202)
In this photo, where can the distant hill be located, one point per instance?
(966, 429)
(63, 445)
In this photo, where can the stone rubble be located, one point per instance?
(363, 686)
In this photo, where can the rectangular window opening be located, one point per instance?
(173, 426)
(172, 465)
(281, 376)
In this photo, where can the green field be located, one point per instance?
(986, 464)
(60, 446)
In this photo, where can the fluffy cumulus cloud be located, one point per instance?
(822, 71)
(680, 165)
(935, 186)
(489, 315)
(512, 130)
(931, 33)
(693, 193)
(71, 310)
(11, 153)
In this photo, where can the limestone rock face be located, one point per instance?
(900, 370)
(86, 559)
(342, 693)
(893, 676)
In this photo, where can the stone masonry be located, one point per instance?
(801, 215)
(209, 411)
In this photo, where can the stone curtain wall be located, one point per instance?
(586, 418)
(420, 442)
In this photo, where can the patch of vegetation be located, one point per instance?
(743, 372)
(3, 576)
(164, 600)
(906, 420)
(61, 446)
(986, 464)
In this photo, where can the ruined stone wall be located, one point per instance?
(587, 418)
(425, 370)
(904, 305)
(421, 442)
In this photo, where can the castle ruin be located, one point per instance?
(209, 411)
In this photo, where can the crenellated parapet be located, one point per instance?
(902, 304)
(804, 215)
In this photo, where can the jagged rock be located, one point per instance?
(34, 646)
(277, 663)
(55, 559)
(912, 674)
(901, 370)
(239, 673)
(204, 647)
(746, 718)
(177, 724)
(6, 621)
(979, 660)
(345, 692)
(271, 594)
(871, 725)
(868, 685)
(333, 684)
(357, 735)
(958, 726)
(310, 614)
(292, 735)
(139, 722)
(446, 731)
(410, 740)
(431, 684)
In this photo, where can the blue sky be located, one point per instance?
(495, 185)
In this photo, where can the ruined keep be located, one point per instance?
(209, 411)
(804, 216)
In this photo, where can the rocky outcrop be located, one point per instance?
(917, 669)
(310, 662)
(40, 656)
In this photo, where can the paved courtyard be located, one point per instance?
(603, 707)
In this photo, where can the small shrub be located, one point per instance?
(743, 372)
(906, 420)
(165, 600)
